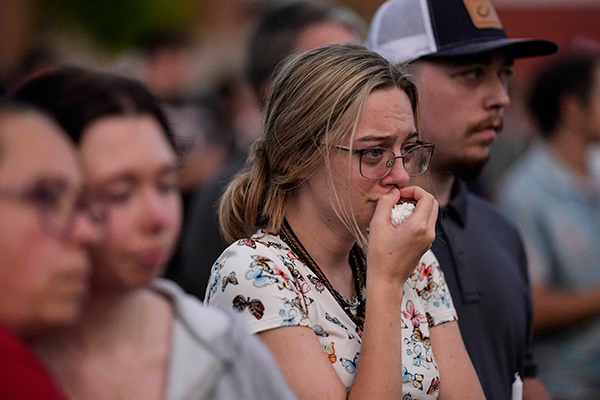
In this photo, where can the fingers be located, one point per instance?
(385, 204)
(425, 203)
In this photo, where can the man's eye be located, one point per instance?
(505, 73)
(473, 73)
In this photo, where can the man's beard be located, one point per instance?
(466, 169)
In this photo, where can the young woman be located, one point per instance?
(139, 337)
(349, 304)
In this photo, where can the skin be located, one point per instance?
(392, 256)
(128, 164)
(43, 277)
(464, 134)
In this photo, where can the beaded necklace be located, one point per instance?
(357, 262)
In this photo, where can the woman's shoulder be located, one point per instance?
(204, 322)
(212, 351)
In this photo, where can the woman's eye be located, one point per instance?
(408, 147)
(47, 197)
(168, 183)
(117, 197)
(168, 186)
(372, 154)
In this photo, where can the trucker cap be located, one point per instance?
(405, 30)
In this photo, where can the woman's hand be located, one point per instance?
(395, 251)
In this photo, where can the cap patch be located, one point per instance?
(482, 14)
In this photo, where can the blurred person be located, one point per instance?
(284, 28)
(462, 58)
(553, 198)
(44, 265)
(347, 314)
(140, 337)
(169, 63)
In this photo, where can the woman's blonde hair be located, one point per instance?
(316, 100)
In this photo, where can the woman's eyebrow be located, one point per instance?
(411, 135)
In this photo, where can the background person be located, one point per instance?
(462, 60)
(140, 337)
(552, 196)
(283, 29)
(44, 232)
(339, 145)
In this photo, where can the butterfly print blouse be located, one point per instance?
(270, 287)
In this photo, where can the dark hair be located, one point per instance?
(277, 30)
(77, 97)
(568, 75)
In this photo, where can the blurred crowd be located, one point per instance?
(543, 174)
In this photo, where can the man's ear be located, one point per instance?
(571, 109)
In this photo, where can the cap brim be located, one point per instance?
(516, 48)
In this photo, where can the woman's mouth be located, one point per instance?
(151, 259)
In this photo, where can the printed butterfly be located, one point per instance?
(330, 351)
(255, 306)
(229, 279)
(247, 242)
(428, 290)
(319, 287)
(415, 379)
(335, 320)
(425, 271)
(350, 366)
(319, 331)
(420, 358)
(413, 315)
(435, 386)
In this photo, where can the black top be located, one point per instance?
(484, 263)
(202, 242)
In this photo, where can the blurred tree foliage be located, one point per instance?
(119, 24)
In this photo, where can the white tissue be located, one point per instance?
(401, 212)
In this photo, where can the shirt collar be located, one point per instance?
(457, 206)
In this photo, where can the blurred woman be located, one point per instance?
(311, 216)
(139, 337)
(45, 227)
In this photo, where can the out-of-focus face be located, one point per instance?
(462, 103)
(44, 271)
(130, 165)
(387, 122)
(592, 111)
(322, 34)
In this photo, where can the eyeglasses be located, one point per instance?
(57, 205)
(377, 162)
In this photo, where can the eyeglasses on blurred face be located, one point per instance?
(57, 204)
(377, 162)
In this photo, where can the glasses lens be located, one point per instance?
(376, 163)
(416, 160)
(54, 206)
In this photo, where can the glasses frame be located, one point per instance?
(78, 203)
(418, 145)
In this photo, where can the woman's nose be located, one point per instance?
(397, 176)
